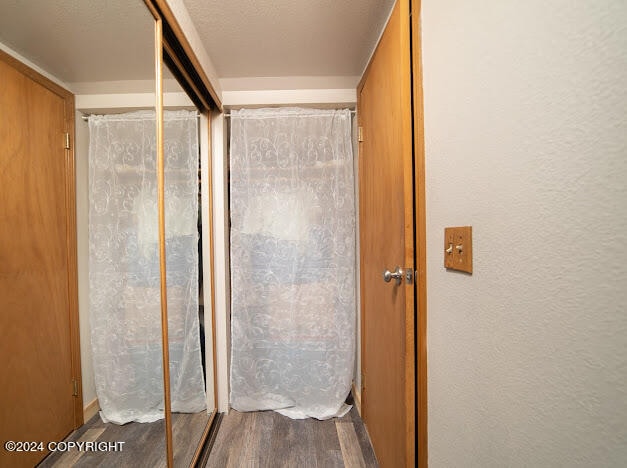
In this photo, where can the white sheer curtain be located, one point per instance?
(292, 261)
(124, 265)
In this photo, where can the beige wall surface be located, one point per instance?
(526, 140)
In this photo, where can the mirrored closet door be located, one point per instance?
(137, 232)
(187, 259)
(103, 53)
(188, 101)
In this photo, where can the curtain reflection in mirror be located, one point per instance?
(124, 265)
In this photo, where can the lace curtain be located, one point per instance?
(292, 261)
(124, 265)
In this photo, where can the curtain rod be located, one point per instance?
(85, 117)
(353, 112)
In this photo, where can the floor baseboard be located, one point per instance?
(90, 409)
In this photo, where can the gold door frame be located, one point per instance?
(172, 46)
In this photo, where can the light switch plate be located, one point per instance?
(458, 248)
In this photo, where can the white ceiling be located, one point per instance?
(261, 38)
(104, 41)
(82, 40)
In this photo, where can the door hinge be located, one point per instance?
(66, 141)
(363, 381)
(75, 387)
(360, 134)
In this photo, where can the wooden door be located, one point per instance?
(38, 323)
(387, 241)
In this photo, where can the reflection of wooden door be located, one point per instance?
(37, 265)
(387, 241)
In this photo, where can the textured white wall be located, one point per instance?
(526, 140)
(290, 97)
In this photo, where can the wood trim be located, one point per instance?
(209, 183)
(91, 409)
(362, 81)
(165, 342)
(72, 247)
(175, 50)
(172, 24)
(153, 10)
(203, 439)
(422, 445)
(180, 68)
(408, 186)
(362, 313)
(70, 202)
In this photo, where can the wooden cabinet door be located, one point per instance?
(40, 397)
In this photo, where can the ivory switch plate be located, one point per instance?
(458, 248)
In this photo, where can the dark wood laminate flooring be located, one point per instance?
(144, 443)
(268, 439)
(256, 439)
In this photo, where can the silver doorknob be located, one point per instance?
(390, 275)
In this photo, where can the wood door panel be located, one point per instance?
(35, 272)
(387, 240)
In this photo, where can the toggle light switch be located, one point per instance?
(458, 248)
